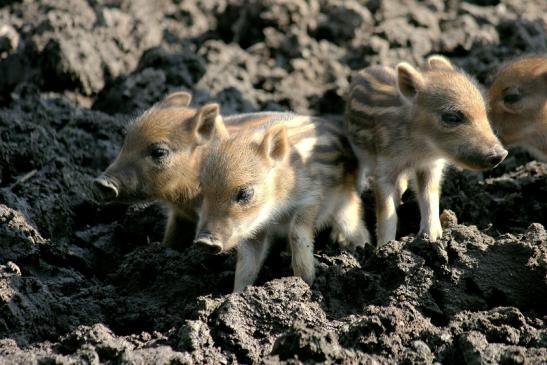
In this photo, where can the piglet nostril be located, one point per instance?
(205, 240)
(105, 189)
(204, 233)
(498, 155)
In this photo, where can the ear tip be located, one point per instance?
(439, 61)
(210, 108)
(403, 66)
(278, 128)
(178, 92)
(177, 98)
(213, 105)
(437, 56)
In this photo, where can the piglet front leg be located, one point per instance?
(428, 187)
(250, 257)
(174, 230)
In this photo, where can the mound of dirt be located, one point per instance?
(83, 282)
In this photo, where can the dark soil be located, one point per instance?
(85, 283)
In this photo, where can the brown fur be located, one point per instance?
(518, 100)
(171, 124)
(397, 122)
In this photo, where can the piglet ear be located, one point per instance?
(275, 144)
(208, 124)
(176, 99)
(409, 80)
(439, 63)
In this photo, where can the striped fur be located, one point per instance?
(374, 104)
(302, 174)
(174, 181)
(396, 121)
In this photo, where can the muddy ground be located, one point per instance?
(86, 283)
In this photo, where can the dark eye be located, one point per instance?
(244, 195)
(452, 118)
(512, 98)
(158, 153)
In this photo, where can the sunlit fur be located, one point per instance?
(393, 120)
(303, 175)
(174, 182)
(524, 122)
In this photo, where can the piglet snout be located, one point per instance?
(206, 240)
(497, 156)
(105, 188)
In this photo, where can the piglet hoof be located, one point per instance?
(337, 237)
(364, 239)
(355, 245)
(308, 275)
(239, 287)
(431, 235)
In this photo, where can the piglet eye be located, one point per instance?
(158, 153)
(452, 118)
(512, 98)
(244, 195)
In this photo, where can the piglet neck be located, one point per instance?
(284, 183)
(185, 192)
(411, 117)
(184, 196)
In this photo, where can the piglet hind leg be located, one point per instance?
(401, 186)
(250, 257)
(428, 186)
(301, 237)
(348, 221)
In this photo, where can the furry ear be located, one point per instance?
(275, 144)
(208, 123)
(409, 80)
(439, 63)
(176, 99)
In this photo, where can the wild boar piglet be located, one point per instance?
(407, 124)
(288, 179)
(518, 104)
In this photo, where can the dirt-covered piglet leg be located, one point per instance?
(301, 237)
(385, 193)
(428, 186)
(348, 222)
